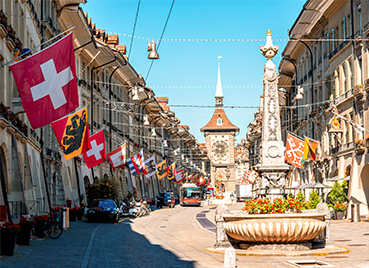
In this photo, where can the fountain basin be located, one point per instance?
(274, 228)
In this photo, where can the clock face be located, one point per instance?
(220, 149)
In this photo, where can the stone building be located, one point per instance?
(219, 135)
(327, 57)
(34, 174)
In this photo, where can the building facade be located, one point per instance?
(327, 59)
(34, 174)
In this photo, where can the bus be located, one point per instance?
(190, 195)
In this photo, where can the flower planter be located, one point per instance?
(274, 228)
(8, 243)
(24, 236)
(39, 230)
(79, 214)
(72, 215)
(339, 215)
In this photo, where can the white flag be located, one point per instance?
(150, 167)
(179, 175)
(118, 157)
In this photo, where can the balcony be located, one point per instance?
(344, 97)
(15, 121)
(366, 29)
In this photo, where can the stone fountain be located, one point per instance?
(272, 169)
(285, 231)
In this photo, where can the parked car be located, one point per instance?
(103, 209)
(169, 199)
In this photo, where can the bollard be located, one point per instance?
(355, 212)
(229, 258)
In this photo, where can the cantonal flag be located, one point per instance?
(47, 82)
(72, 133)
(310, 149)
(179, 175)
(117, 157)
(96, 154)
(294, 151)
(162, 169)
(171, 171)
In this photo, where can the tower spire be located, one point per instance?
(219, 91)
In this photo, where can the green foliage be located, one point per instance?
(300, 196)
(339, 192)
(106, 188)
(314, 199)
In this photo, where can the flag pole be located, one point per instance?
(28, 51)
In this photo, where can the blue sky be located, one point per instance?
(193, 65)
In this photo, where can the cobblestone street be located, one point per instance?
(168, 238)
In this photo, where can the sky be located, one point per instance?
(187, 70)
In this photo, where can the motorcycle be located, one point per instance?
(129, 209)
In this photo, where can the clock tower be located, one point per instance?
(219, 135)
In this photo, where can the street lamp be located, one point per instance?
(153, 55)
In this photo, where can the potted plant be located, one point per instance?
(9, 232)
(40, 223)
(24, 236)
(367, 141)
(339, 209)
(80, 213)
(73, 213)
(359, 145)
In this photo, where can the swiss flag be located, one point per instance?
(47, 82)
(96, 153)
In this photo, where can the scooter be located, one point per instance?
(129, 209)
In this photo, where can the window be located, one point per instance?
(359, 70)
(327, 48)
(344, 29)
(219, 122)
(344, 77)
(333, 42)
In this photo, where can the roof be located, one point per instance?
(212, 125)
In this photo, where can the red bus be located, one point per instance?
(190, 195)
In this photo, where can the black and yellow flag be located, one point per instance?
(162, 169)
(72, 133)
(171, 171)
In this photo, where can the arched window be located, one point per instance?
(219, 122)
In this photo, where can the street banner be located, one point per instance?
(117, 157)
(310, 149)
(355, 126)
(96, 154)
(136, 164)
(171, 171)
(72, 133)
(47, 83)
(294, 151)
(150, 166)
(179, 176)
(162, 170)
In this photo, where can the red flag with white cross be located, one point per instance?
(47, 83)
(96, 153)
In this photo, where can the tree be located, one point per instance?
(338, 193)
(314, 199)
(105, 188)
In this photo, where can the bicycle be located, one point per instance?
(54, 226)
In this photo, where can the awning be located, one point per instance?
(341, 179)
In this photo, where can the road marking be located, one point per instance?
(86, 257)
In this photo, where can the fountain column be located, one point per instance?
(272, 168)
